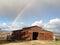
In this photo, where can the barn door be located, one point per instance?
(35, 35)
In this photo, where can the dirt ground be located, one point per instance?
(35, 42)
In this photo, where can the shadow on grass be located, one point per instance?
(4, 42)
(7, 42)
(22, 41)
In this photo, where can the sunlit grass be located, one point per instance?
(33, 42)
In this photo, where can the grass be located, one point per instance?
(35, 42)
(57, 42)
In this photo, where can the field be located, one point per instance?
(35, 42)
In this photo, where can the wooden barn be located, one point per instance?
(32, 33)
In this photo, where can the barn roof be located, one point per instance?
(31, 27)
(28, 28)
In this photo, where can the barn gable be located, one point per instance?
(33, 28)
(34, 32)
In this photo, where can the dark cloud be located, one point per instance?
(10, 8)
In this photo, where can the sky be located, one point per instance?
(16, 14)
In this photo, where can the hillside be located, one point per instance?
(3, 35)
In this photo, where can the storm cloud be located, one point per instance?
(37, 10)
(9, 9)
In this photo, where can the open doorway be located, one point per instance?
(35, 35)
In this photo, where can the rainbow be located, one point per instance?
(23, 9)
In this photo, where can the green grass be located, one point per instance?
(58, 41)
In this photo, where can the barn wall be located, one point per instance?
(42, 35)
(26, 34)
(49, 36)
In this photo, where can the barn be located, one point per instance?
(33, 33)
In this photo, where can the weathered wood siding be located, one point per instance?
(27, 33)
